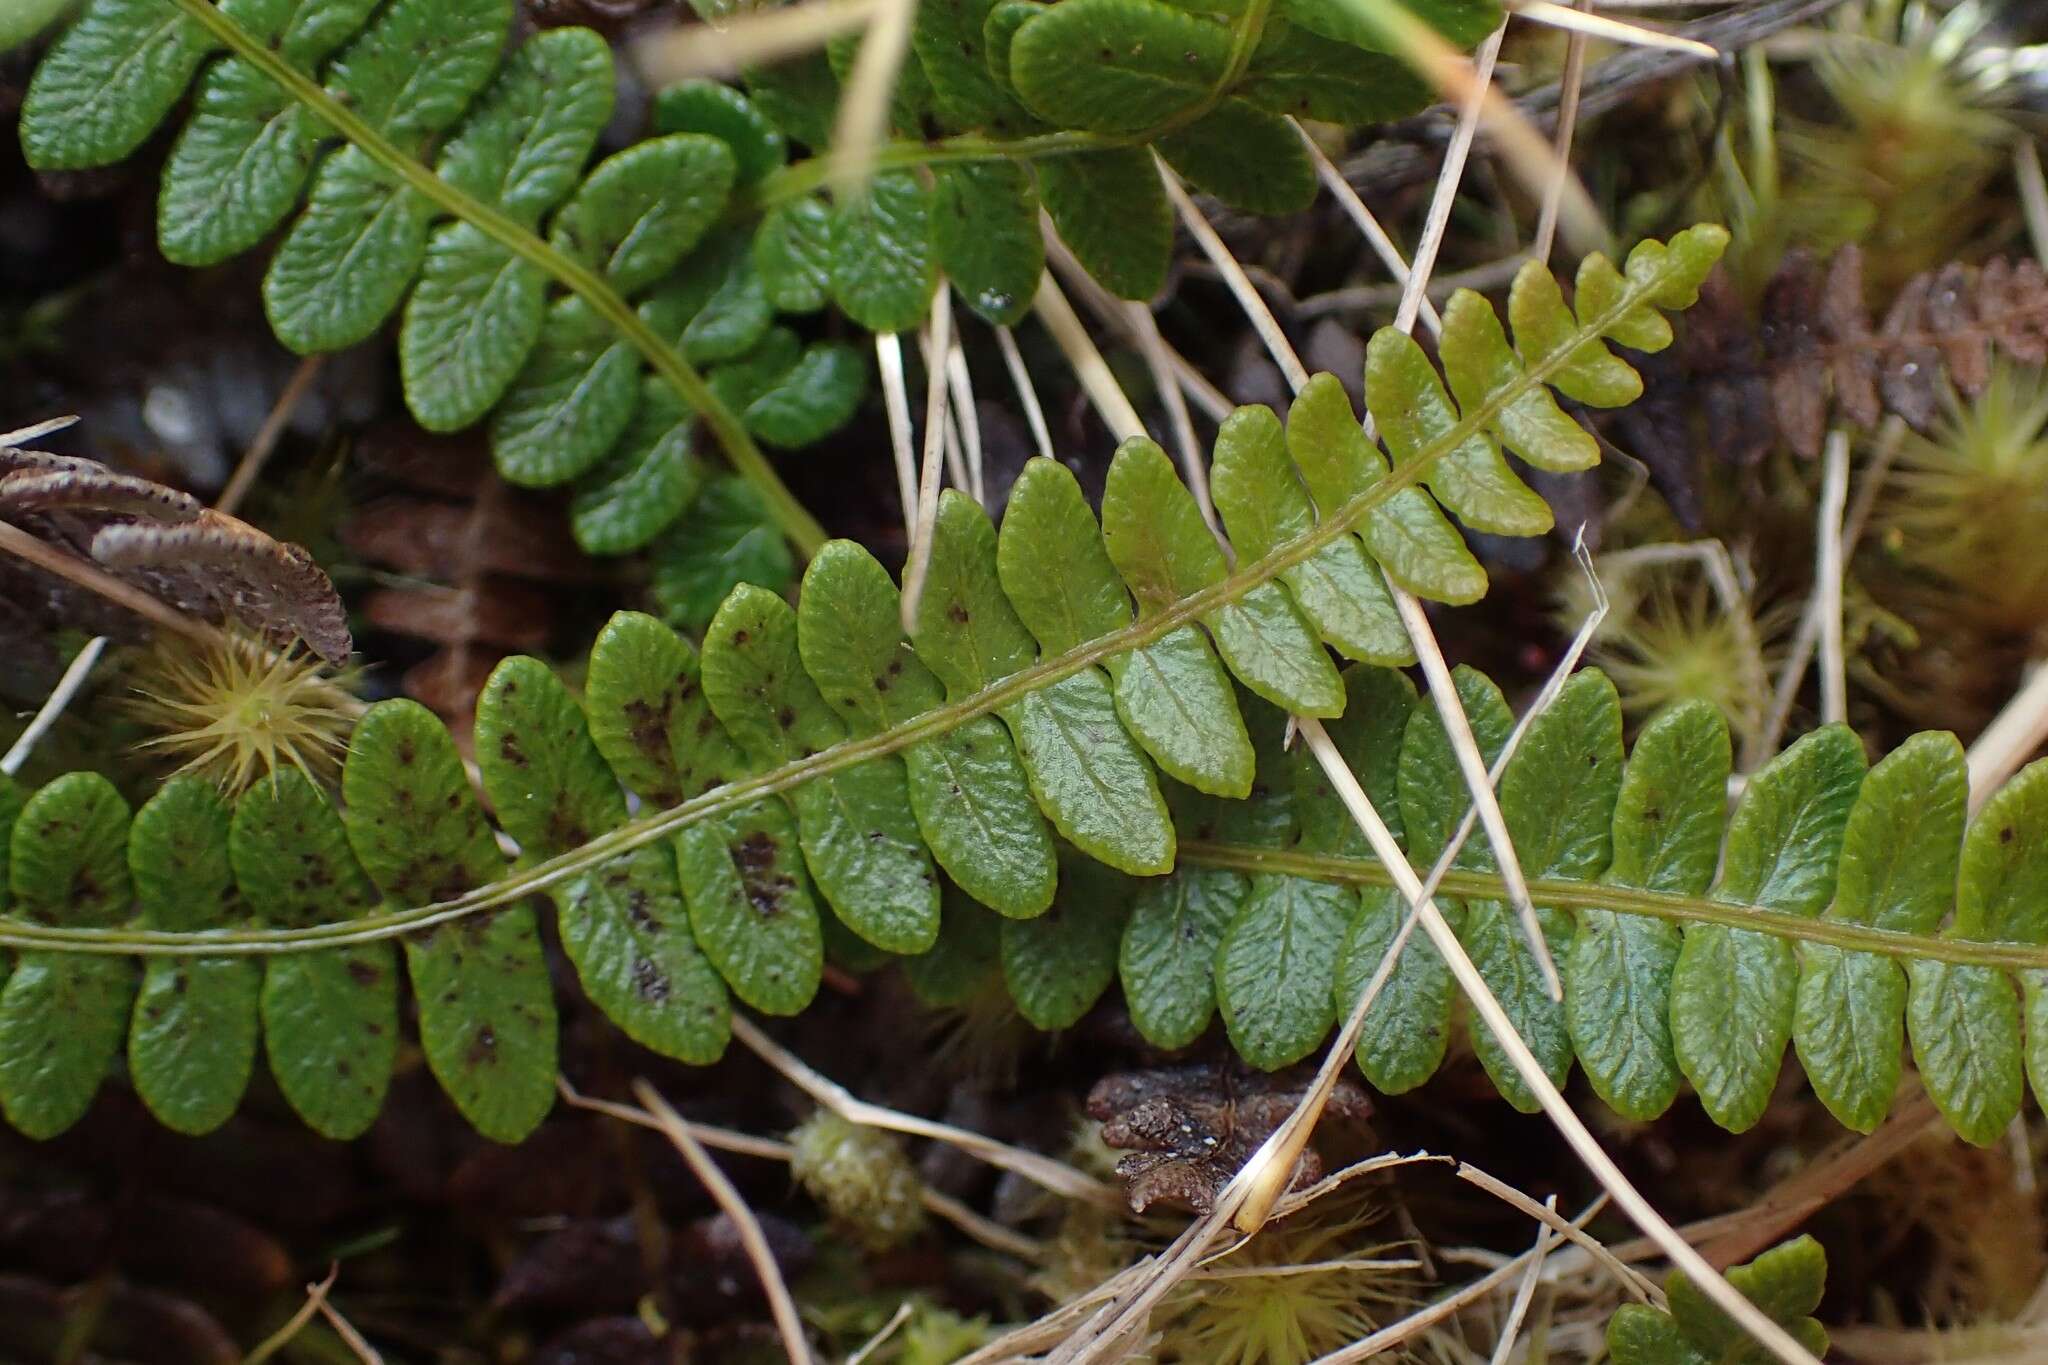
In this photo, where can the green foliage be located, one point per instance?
(1116, 686)
(530, 288)
(535, 291)
(1785, 1282)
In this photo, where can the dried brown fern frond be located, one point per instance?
(1819, 340)
(165, 542)
(1742, 382)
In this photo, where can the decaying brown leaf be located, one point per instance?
(1189, 1128)
(197, 560)
(1820, 342)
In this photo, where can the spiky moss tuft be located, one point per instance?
(235, 713)
(862, 1178)
(1668, 637)
(1969, 504)
(1295, 1292)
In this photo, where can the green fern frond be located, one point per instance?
(537, 293)
(817, 773)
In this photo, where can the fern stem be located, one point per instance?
(1570, 895)
(746, 457)
(1563, 895)
(937, 721)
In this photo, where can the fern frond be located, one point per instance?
(537, 293)
(819, 772)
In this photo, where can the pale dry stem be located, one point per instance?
(788, 1324)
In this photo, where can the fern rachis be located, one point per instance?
(807, 706)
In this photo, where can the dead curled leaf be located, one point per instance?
(1189, 1128)
(167, 543)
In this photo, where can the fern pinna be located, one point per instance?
(817, 773)
(540, 296)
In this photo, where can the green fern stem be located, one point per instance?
(1561, 894)
(939, 720)
(740, 449)
(1577, 895)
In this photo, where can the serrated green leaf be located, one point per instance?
(812, 399)
(412, 72)
(487, 1010)
(1082, 767)
(243, 156)
(1406, 534)
(1480, 365)
(1113, 213)
(967, 787)
(477, 310)
(882, 267)
(646, 482)
(107, 83)
(1403, 391)
(715, 304)
(727, 539)
(1544, 331)
(349, 258)
(793, 255)
(1733, 991)
(1408, 1028)
(1965, 1026)
(1965, 1021)
(2034, 985)
(1897, 871)
(62, 1016)
(719, 111)
(1060, 963)
(1262, 506)
(1638, 1334)
(910, 100)
(985, 234)
(1297, 72)
(469, 326)
(859, 837)
(648, 716)
(1434, 798)
(1116, 66)
(192, 1040)
(570, 403)
(1785, 1283)
(642, 209)
(751, 907)
(1167, 958)
(948, 40)
(1558, 796)
(1276, 967)
(623, 923)
(2002, 895)
(965, 963)
(1156, 538)
(330, 1018)
(1247, 156)
(1668, 819)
